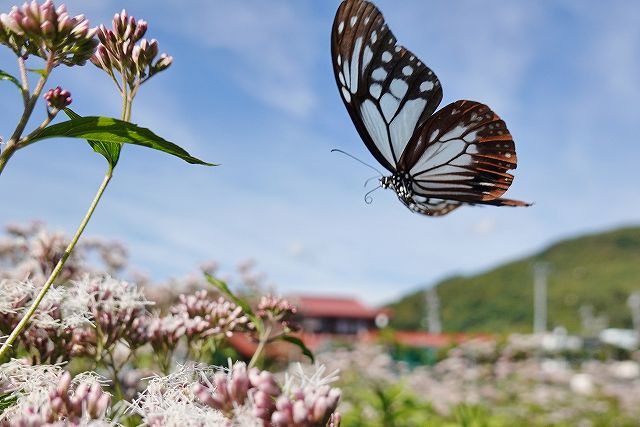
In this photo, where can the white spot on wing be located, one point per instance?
(407, 70)
(386, 56)
(471, 136)
(463, 160)
(443, 173)
(339, 60)
(441, 185)
(341, 78)
(404, 124)
(472, 149)
(354, 19)
(438, 154)
(346, 94)
(425, 86)
(341, 27)
(389, 105)
(375, 90)
(345, 72)
(374, 37)
(454, 133)
(368, 55)
(377, 128)
(379, 74)
(355, 58)
(398, 88)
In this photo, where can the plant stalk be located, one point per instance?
(263, 341)
(58, 268)
(30, 102)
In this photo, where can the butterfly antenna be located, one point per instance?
(367, 198)
(357, 160)
(370, 179)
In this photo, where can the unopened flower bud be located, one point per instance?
(103, 404)
(48, 29)
(300, 412)
(141, 29)
(319, 410)
(63, 386)
(335, 419)
(279, 419)
(58, 98)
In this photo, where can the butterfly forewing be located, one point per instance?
(464, 152)
(388, 92)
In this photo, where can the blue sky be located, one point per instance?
(252, 88)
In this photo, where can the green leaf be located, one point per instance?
(110, 150)
(43, 73)
(7, 401)
(6, 76)
(109, 130)
(222, 287)
(298, 342)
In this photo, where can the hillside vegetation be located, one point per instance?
(598, 270)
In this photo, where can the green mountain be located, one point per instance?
(599, 270)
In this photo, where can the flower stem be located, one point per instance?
(263, 341)
(58, 268)
(30, 102)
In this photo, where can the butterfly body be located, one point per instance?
(459, 155)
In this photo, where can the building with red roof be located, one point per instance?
(338, 316)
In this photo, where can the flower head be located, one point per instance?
(46, 395)
(205, 316)
(122, 50)
(44, 30)
(58, 98)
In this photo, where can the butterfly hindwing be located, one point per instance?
(463, 152)
(432, 206)
(388, 92)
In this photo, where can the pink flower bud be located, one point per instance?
(335, 419)
(300, 412)
(333, 397)
(279, 419)
(140, 31)
(32, 10)
(47, 29)
(63, 386)
(103, 404)
(319, 410)
(64, 24)
(30, 25)
(57, 404)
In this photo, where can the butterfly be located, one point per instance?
(458, 156)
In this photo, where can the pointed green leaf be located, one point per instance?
(43, 73)
(109, 130)
(110, 150)
(6, 76)
(246, 308)
(298, 342)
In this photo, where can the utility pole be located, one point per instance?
(540, 273)
(433, 311)
(633, 302)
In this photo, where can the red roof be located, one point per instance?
(333, 307)
(426, 339)
(285, 351)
